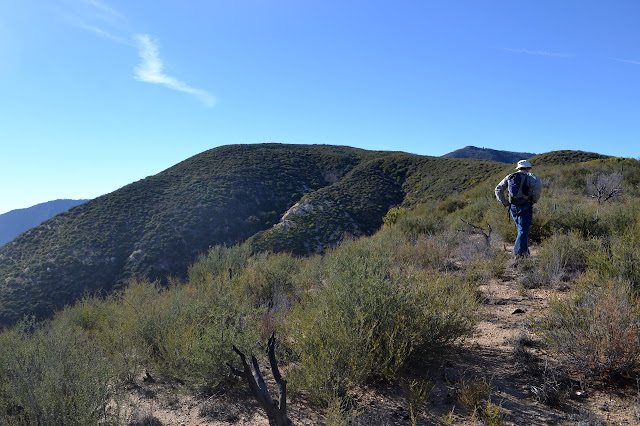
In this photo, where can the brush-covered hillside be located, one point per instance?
(157, 227)
(17, 221)
(428, 320)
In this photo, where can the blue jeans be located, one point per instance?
(522, 215)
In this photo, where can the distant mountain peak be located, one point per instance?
(476, 153)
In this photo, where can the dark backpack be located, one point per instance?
(518, 189)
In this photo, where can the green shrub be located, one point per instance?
(478, 211)
(192, 332)
(111, 325)
(220, 261)
(370, 319)
(574, 214)
(542, 225)
(498, 217)
(416, 393)
(393, 215)
(620, 218)
(417, 224)
(181, 332)
(53, 375)
(620, 260)
(562, 257)
(267, 279)
(452, 204)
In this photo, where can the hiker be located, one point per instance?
(523, 189)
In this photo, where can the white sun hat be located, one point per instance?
(523, 164)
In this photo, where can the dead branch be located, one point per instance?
(480, 230)
(276, 411)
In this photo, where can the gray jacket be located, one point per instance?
(533, 183)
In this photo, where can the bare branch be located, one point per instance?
(485, 233)
(276, 412)
(282, 384)
(235, 371)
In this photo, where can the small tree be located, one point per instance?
(605, 186)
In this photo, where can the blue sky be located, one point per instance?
(96, 94)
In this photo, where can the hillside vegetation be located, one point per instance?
(16, 222)
(371, 310)
(153, 229)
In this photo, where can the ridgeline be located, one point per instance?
(295, 198)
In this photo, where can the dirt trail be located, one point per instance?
(489, 354)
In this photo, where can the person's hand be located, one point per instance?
(506, 204)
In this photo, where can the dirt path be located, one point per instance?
(489, 355)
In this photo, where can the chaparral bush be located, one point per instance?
(562, 257)
(596, 331)
(51, 374)
(621, 259)
(371, 317)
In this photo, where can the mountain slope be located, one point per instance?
(357, 204)
(565, 157)
(17, 221)
(156, 227)
(489, 154)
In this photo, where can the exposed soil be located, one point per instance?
(490, 357)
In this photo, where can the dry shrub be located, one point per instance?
(471, 394)
(596, 332)
(481, 260)
(427, 252)
(524, 358)
(550, 385)
(475, 396)
(484, 268)
(145, 420)
(553, 388)
(560, 259)
(605, 186)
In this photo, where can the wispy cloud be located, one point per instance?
(150, 70)
(538, 52)
(100, 19)
(99, 31)
(628, 61)
(103, 10)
